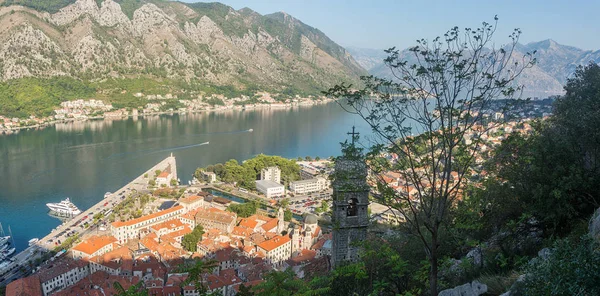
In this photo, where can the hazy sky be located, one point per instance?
(386, 23)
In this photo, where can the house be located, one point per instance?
(276, 250)
(270, 188)
(93, 246)
(124, 231)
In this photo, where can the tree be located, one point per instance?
(572, 268)
(197, 269)
(245, 291)
(134, 290)
(308, 158)
(173, 182)
(190, 241)
(552, 174)
(285, 203)
(441, 91)
(280, 284)
(287, 215)
(317, 158)
(244, 210)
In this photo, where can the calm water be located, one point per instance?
(86, 159)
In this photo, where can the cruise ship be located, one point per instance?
(64, 207)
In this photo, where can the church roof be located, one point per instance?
(310, 219)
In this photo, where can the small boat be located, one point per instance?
(3, 248)
(250, 130)
(33, 241)
(4, 240)
(9, 252)
(107, 194)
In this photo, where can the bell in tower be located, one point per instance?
(350, 202)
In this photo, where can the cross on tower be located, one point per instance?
(353, 134)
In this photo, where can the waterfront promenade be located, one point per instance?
(21, 264)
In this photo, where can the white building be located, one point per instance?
(270, 188)
(123, 231)
(61, 274)
(276, 250)
(308, 186)
(271, 174)
(209, 177)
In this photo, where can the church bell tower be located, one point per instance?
(350, 202)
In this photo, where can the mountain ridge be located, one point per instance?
(555, 64)
(209, 43)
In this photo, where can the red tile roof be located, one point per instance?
(29, 286)
(270, 224)
(274, 243)
(94, 243)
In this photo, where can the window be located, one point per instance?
(352, 207)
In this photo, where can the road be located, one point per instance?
(21, 262)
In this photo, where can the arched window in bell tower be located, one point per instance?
(352, 207)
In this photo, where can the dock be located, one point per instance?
(23, 261)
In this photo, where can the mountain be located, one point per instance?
(555, 64)
(202, 43)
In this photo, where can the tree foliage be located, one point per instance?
(247, 173)
(244, 210)
(190, 241)
(133, 290)
(51, 6)
(441, 91)
(552, 174)
(573, 268)
(38, 96)
(197, 269)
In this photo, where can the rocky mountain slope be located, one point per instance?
(555, 63)
(209, 43)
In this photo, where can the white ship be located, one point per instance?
(33, 241)
(64, 207)
(4, 240)
(8, 253)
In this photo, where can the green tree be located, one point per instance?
(245, 291)
(442, 89)
(280, 284)
(189, 242)
(553, 174)
(287, 215)
(244, 210)
(134, 290)
(573, 268)
(197, 269)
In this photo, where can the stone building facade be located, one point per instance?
(350, 202)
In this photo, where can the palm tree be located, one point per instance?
(196, 271)
(134, 290)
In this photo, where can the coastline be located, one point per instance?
(286, 106)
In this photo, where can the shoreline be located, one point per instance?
(289, 106)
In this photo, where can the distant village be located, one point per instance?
(79, 110)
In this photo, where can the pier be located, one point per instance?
(22, 262)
